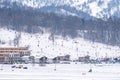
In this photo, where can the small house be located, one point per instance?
(84, 59)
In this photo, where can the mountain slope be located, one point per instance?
(97, 8)
(31, 21)
(22, 16)
(40, 44)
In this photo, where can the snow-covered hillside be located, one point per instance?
(41, 44)
(97, 8)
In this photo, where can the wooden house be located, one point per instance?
(64, 58)
(84, 59)
(58, 59)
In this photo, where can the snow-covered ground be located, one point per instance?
(40, 44)
(63, 72)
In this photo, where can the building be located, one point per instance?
(13, 55)
(84, 59)
(62, 59)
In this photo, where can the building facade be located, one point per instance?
(13, 55)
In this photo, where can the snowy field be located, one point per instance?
(63, 72)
